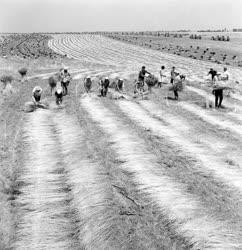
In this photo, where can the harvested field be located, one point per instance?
(118, 172)
(31, 46)
(205, 49)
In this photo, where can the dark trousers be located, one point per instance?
(64, 86)
(58, 100)
(218, 97)
(176, 94)
(104, 91)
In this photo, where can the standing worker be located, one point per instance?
(174, 75)
(104, 85)
(161, 75)
(218, 91)
(65, 80)
(142, 73)
(213, 74)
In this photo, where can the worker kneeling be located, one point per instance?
(59, 96)
(36, 101)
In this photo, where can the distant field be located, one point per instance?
(26, 45)
(220, 52)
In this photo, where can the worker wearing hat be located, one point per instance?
(36, 96)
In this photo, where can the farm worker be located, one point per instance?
(65, 80)
(218, 97)
(142, 73)
(218, 92)
(120, 85)
(37, 91)
(213, 74)
(161, 75)
(59, 95)
(176, 79)
(104, 84)
(174, 74)
(88, 84)
(225, 75)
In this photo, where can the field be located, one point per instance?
(26, 46)
(219, 52)
(130, 173)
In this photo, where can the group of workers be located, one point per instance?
(65, 78)
(174, 77)
(61, 88)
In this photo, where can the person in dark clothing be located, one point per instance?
(174, 74)
(104, 85)
(218, 97)
(213, 74)
(142, 73)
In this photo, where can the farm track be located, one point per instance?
(181, 160)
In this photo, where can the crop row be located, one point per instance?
(27, 46)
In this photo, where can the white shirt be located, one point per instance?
(161, 74)
(225, 76)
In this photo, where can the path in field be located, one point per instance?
(184, 209)
(95, 48)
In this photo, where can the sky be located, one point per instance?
(118, 15)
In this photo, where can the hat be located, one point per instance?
(37, 89)
(59, 91)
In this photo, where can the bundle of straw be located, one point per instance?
(6, 79)
(23, 72)
(151, 80)
(52, 81)
(178, 86)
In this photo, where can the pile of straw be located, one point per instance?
(151, 80)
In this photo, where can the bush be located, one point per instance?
(23, 72)
(6, 79)
(52, 81)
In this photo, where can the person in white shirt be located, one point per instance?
(161, 76)
(225, 75)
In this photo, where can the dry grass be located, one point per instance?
(142, 165)
(44, 215)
